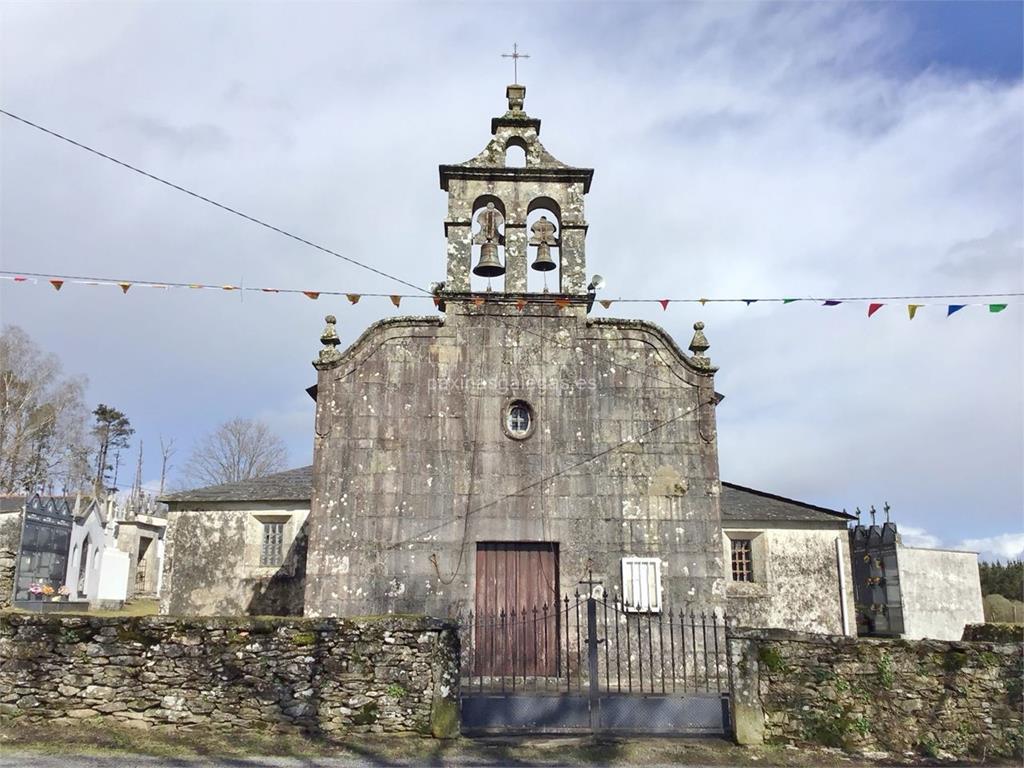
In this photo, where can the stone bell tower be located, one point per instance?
(503, 220)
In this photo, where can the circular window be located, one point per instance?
(518, 421)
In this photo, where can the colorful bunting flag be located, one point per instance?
(562, 303)
(477, 300)
(831, 303)
(312, 294)
(912, 309)
(195, 285)
(125, 287)
(353, 298)
(954, 308)
(750, 301)
(789, 301)
(396, 300)
(872, 308)
(606, 303)
(520, 303)
(664, 303)
(996, 307)
(702, 301)
(229, 288)
(57, 284)
(20, 279)
(270, 290)
(437, 302)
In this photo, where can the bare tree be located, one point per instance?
(42, 418)
(239, 449)
(166, 452)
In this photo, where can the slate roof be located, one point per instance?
(738, 503)
(292, 485)
(741, 503)
(12, 503)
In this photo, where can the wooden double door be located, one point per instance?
(518, 613)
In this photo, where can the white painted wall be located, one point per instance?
(941, 591)
(113, 578)
(797, 583)
(89, 532)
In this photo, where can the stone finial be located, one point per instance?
(699, 345)
(329, 338)
(516, 95)
(872, 513)
(886, 508)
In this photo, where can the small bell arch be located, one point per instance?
(544, 229)
(488, 240)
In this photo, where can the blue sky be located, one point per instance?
(740, 149)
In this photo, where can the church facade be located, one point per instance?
(509, 449)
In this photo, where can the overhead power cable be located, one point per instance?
(205, 199)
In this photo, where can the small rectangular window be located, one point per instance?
(742, 562)
(273, 544)
(641, 584)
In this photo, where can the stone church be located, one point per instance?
(510, 448)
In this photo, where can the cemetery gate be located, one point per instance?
(592, 665)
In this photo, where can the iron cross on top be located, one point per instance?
(515, 56)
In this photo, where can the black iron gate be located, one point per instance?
(589, 664)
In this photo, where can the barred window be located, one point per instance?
(641, 584)
(742, 562)
(272, 551)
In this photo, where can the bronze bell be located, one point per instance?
(543, 262)
(489, 265)
(543, 238)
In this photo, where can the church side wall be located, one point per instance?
(212, 562)
(941, 592)
(412, 468)
(796, 580)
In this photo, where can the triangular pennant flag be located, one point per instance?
(57, 284)
(312, 294)
(229, 288)
(912, 309)
(954, 308)
(195, 285)
(872, 308)
(520, 303)
(20, 279)
(478, 301)
(789, 301)
(437, 302)
(702, 301)
(664, 303)
(606, 303)
(750, 301)
(353, 298)
(996, 307)
(396, 300)
(270, 290)
(831, 303)
(562, 303)
(125, 287)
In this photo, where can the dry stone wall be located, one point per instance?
(386, 675)
(923, 697)
(10, 543)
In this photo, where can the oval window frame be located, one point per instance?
(506, 414)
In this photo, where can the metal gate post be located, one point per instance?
(595, 713)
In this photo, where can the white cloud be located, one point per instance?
(1008, 546)
(918, 537)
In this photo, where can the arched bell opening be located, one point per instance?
(515, 153)
(544, 237)
(488, 239)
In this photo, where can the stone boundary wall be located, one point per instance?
(319, 677)
(925, 697)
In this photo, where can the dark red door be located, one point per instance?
(517, 609)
